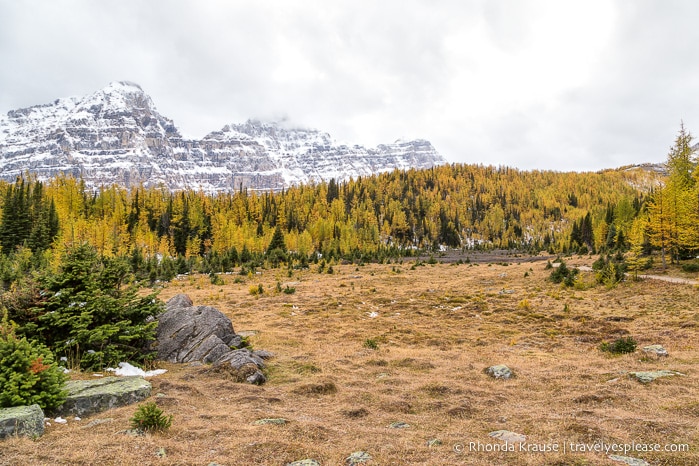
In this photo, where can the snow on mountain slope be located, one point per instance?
(117, 136)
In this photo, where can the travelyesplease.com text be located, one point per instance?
(569, 447)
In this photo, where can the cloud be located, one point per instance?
(532, 84)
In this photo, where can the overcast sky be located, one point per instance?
(564, 85)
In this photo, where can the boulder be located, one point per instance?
(22, 420)
(629, 460)
(358, 457)
(188, 333)
(241, 365)
(203, 334)
(399, 425)
(277, 421)
(657, 350)
(241, 357)
(180, 300)
(500, 371)
(93, 396)
(508, 436)
(649, 376)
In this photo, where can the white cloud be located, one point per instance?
(532, 84)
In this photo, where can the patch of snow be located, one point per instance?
(126, 369)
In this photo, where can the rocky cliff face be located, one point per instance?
(117, 136)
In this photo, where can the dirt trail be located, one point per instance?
(684, 281)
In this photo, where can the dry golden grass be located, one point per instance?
(436, 328)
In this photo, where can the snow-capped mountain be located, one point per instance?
(117, 136)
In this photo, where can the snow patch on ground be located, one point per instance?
(126, 369)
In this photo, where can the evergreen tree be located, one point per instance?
(586, 232)
(28, 373)
(610, 242)
(181, 229)
(277, 241)
(15, 225)
(333, 191)
(85, 312)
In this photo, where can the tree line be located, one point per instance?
(669, 221)
(369, 218)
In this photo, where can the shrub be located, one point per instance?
(289, 290)
(216, 279)
(149, 418)
(691, 267)
(276, 256)
(371, 344)
(28, 374)
(619, 346)
(325, 388)
(599, 264)
(525, 305)
(256, 290)
(562, 274)
(609, 271)
(85, 312)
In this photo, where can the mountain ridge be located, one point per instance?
(116, 135)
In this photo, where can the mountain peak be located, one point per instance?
(116, 136)
(120, 96)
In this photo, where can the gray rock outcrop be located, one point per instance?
(508, 436)
(649, 376)
(629, 460)
(22, 420)
(306, 462)
(358, 457)
(657, 350)
(188, 333)
(94, 396)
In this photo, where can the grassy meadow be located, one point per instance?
(367, 346)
